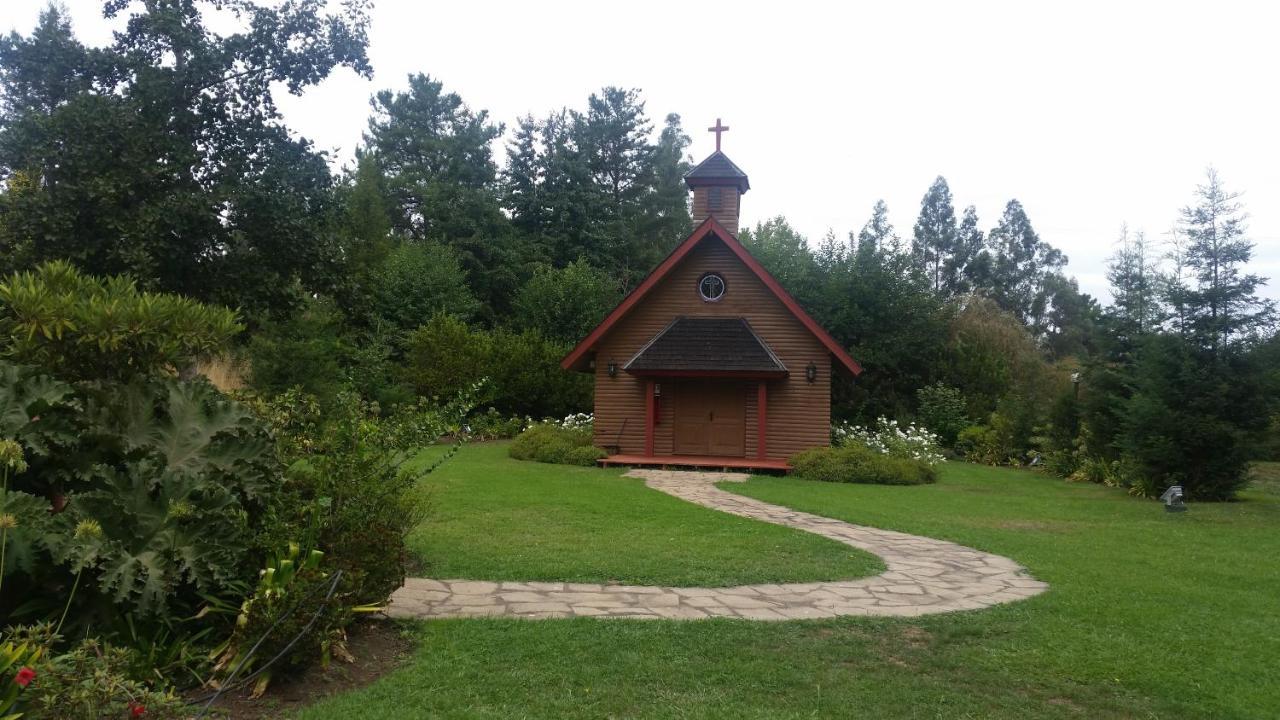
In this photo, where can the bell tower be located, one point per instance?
(717, 186)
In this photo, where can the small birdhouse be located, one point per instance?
(1173, 499)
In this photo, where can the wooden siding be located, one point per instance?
(726, 215)
(798, 412)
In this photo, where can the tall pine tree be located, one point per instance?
(1223, 307)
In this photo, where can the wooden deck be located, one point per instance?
(698, 461)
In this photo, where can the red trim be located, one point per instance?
(709, 227)
(707, 461)
(738, 374)
(650, 417)
(762, 420)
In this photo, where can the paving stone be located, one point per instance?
(922, 576)
(523, 608)
(469, 587)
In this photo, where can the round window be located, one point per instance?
(711, 287)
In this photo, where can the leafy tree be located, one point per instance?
(934, 242)
(162, 155)
(877, 235)
(1223, 307)
(785, 253)
(1021, 265)
(972, 265)
(567, 303)
(1070, 324)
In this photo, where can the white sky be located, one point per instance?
(1090, 113)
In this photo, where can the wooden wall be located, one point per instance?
(799, 412)
(726, 215)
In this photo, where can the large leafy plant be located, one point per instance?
(168, 476)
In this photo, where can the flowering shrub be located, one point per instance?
(888, 438)
(567, 442)
(857, 463)
(577, 421)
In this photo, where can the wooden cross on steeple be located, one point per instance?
(719, 128)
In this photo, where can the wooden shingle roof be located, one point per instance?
(717, 169)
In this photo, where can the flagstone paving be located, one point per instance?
(923, 576)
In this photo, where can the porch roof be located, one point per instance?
(707, 346)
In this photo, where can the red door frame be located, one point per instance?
(650, 417)
(762, 420)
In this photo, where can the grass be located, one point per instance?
(495, 518)
(1150, 615)
(1264, 477)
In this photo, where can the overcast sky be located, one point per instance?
(1092, 114)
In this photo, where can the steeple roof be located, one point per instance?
(717, 169)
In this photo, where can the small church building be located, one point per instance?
(709, 361)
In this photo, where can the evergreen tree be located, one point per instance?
(934, 242)
(435, 154)
(522, 179)
(1223, 306)
(368, 214)
(595, 186)
(1135, 279)
(1021, 265)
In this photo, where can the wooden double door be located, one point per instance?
(710, 418)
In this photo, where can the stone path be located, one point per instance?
(924, 576)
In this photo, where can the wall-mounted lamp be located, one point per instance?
(811, 372)
(591, 364)
(613, 369)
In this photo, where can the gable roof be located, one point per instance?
(707, 345)
(576, 359)
(717, 167)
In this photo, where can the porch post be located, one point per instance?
(650, 418)
(762, 420)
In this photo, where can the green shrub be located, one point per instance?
(350, 490)
(550, 443)
(493, 425)
(942, 409)
(416, 281)
(980, 444)
(523, 368)
(857, 464)
(303, 351)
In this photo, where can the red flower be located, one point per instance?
(25, 676)
(136, 710)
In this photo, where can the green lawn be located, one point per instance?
(1149, 615)
(494, 518)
